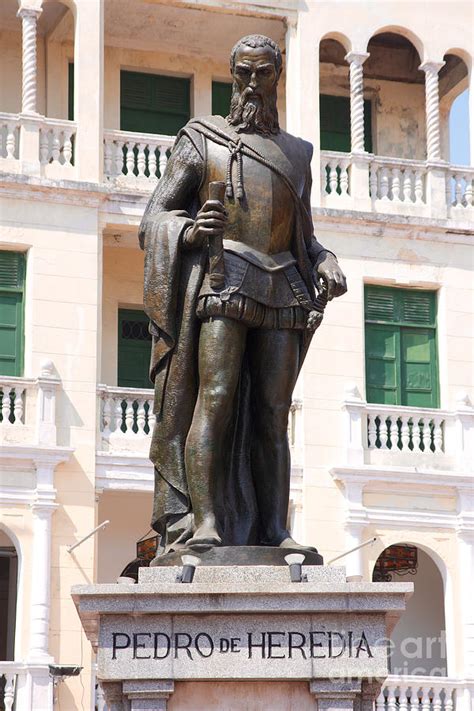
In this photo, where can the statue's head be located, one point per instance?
(255, 64)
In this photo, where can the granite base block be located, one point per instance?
(241, 624)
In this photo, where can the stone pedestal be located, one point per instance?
(241, 637)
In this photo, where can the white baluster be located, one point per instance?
(118, 415)
(373, 180)
(9, 692)
(129, 417)
(408, 182)
(10, 142)
(458, 191)
(141, 160)
(418, 187)
(118, 158)
(151, 418)
(384, 183)
(371, 432)
(448, 698)
(67, 146)
(107, 158)
(380, 701)
(438, 435)
(152, 161)
(333, 176)
(6, 404)
(107, 410)
(416, 433)
(393, 437)
(403, 694)
(391, 700)
(405, 434)
(163, 159)
(55, 145)
(383, 432)
(436, 699)
(469, 192)
(18, 406)
(44, 146)
(344, 178)
(141, 416)
(130, 159)
(425, 699)
(396, 184)
(324, 179)
(100, 699)
(449, 194)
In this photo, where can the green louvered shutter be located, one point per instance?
(152, 103)
(134, 349)
(70, 91)
(12, 286)
(221, 93)
(335, 123)
(400, 347)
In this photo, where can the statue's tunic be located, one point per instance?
(270, 250)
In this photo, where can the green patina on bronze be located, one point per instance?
(225, 356)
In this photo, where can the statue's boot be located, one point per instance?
(205, 535)
(289, 542)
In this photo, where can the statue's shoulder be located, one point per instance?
(297, 145)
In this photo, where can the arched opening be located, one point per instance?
(396, 87)
(419, 638)
(56, 29)
(8, 596)
(454, 109)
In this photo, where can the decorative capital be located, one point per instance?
(33, 10)
(431, 67)
(357, 58)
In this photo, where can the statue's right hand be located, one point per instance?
(210, 221)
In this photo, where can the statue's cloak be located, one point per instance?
(173, 278)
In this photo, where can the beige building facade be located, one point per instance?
(382, 425)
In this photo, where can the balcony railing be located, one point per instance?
(135, 160)
(396, 186)
(27, 410)
(126, 421)
(421, 693)
(9, 136)
(408, 436)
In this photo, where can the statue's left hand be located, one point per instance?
(329, 269)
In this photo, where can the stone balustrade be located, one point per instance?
(8, 680)
(135, 160)
(9, 137)
(28, 409)
(398, 181)
(126, 418)
(460, 188)
(56, 147)
(408, 436)
(334, 175)
(423, 693)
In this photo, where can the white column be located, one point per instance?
(302, 93)
(356, 74)
(43, 509)
(359, 169)
(433, 142)
(89, 89)
(29, 18)
(471, 112)
(354, 526)
(202, 92)
(465, 660)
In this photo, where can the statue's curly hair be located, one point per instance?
(256, 41)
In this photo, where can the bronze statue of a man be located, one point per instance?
(226, 353)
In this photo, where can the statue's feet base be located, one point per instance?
(238, 555)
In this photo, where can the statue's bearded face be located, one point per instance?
(253, 106)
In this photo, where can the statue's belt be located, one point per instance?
(267, 262)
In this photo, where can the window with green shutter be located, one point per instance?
(134, 349)
(152, 103)
(221, 93)
(400, 347)
(12, 287)
(335, 123)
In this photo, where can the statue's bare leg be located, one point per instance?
(274, 358)
(221, 347)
